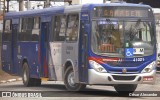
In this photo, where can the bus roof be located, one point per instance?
(65, 9)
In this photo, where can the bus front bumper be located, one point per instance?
(95, 77)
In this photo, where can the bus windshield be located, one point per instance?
(112, 37)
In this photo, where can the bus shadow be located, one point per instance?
(59, 87)
(88, 92)
(59, 90)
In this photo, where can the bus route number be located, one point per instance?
(138, 59)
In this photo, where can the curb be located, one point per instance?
(10, 80)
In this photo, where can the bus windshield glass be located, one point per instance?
(112, 37)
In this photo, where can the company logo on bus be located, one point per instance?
(124, 70)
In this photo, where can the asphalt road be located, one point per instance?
(56, 91)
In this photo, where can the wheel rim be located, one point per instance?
(25, 76)
(71, 81)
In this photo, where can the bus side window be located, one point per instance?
(7, 30)
(72, 28)
(25, 33)
(28, 34)
(36, 28)
(24, 25)
(22, 29)
(60, 28)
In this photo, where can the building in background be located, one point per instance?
(157, 18)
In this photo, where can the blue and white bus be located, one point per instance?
(110, 44)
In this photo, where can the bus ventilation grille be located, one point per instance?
(123, 77)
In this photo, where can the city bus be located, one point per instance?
(92, 44)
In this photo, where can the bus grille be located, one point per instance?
(120, 72)
(123, 77)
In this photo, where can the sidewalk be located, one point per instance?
(4, 77)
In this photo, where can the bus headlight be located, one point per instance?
(158, 62)
(149, 67)
(97, 66)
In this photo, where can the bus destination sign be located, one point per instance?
(120, 12)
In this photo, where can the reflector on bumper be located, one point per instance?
(148, 78)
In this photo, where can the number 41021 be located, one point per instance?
(138, 59)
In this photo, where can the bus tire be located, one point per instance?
(125, 88)
(69, 81)
(27, 81)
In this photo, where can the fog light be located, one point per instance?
(158, 62)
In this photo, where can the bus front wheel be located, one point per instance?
(125, 88)
(69, 81)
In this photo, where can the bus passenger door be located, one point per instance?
(83, 51)
(14, 49)
(44, 42)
